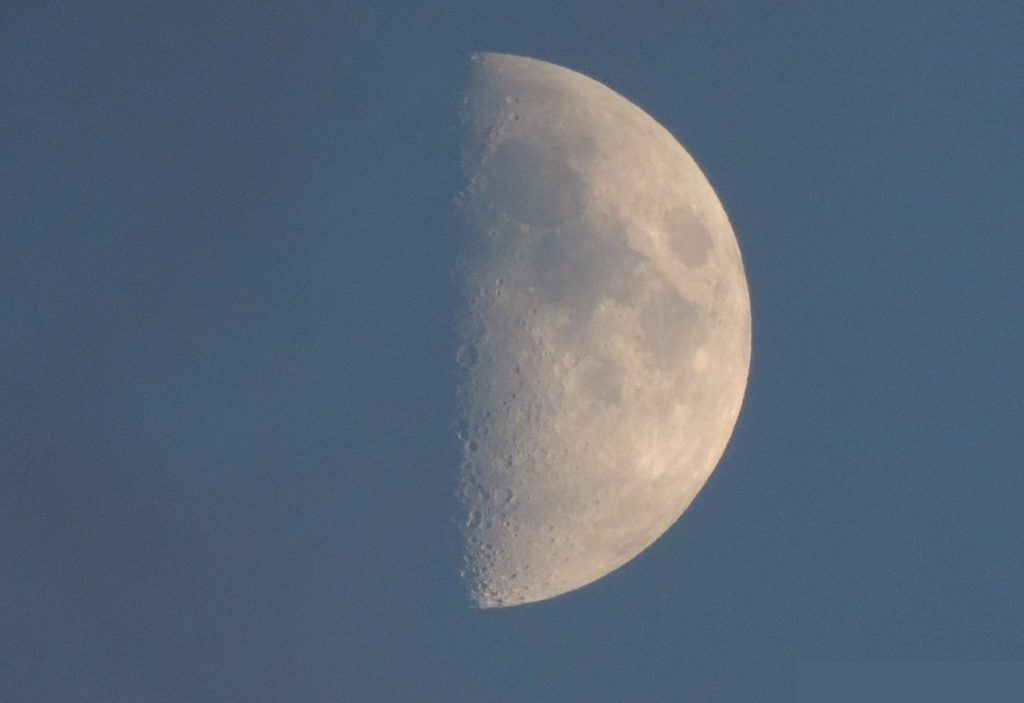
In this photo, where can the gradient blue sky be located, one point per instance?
(226, 365)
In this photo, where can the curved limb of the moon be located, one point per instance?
(605, 330)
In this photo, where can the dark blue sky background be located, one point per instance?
(226, 366)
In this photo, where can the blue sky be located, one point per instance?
(226, 362)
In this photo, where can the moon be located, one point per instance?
(603, 330)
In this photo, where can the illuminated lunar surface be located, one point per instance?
(604, 330)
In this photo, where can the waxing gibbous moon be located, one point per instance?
(604, 330)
